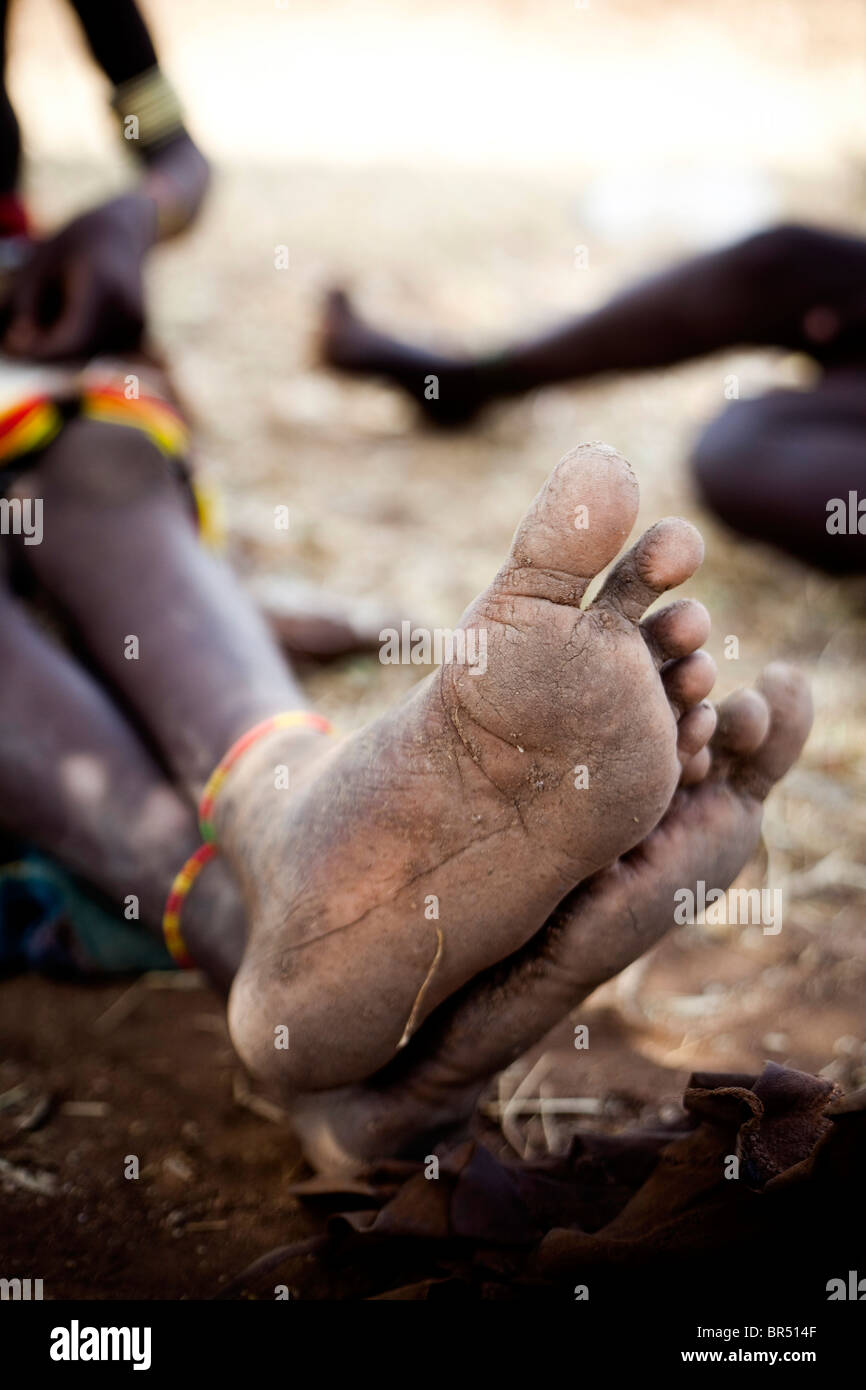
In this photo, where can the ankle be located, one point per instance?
(282, 762)
(214, 925)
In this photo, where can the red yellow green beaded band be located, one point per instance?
(153, 416)
(29, 425)
(179, 889)
(296, 718)
(192, 868)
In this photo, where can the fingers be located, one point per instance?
(72, 329)
(93, 310)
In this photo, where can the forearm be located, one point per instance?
(174, 173)
(176, 179)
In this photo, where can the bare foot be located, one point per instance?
(437, 841)
(448, 390)
(709, 833)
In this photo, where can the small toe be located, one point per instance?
(695, 769)
(676, 630)
(787, 694)
(689, 680)
(665, 556)
(695, 730)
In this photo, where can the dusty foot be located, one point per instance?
(436, 841)
(448, 390)
(710, 832)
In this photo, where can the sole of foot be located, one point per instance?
(436, 841)
(709, 833)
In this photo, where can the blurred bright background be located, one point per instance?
(608, 87)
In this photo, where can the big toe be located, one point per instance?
(574, 528)
(743, 724)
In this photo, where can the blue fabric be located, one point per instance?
(53, 924)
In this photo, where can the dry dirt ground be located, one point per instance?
(412, 523)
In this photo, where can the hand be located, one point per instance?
(81, 290)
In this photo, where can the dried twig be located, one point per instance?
(129, 999)
(311, 1246)
(119, 1010)
(410, 1023)
(28, 1180)
(37, 1115)
(259, 1105)
(544, 1105)
(16, 1095)
(510, 1130)
(174, 979)
(548, 1124)
(86, 1109)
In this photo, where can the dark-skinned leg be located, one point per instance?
(790, 286)
(76, 781)
(769, 467)
(122, 558)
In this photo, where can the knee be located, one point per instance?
(789, 250)
(726, 456)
